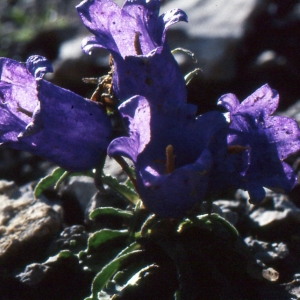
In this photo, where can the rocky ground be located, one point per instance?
(239, 47)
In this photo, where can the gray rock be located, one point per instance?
(55, 267)
(73, 238)
(232, 209)
(275, 210)
(267, 252)
(293, 287)
(33, 274)
(205, 207)
(24, 221)
(215, 29)
(113, 168)
(83, 188)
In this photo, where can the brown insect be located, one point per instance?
(104, 91)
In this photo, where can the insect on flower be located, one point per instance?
(103, 94)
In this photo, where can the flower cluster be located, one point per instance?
(180, 158)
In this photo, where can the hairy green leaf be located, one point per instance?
(132, 247)
(107, 272)
(100, 211)
(134, 280)
(48, 181)
(72, 174)
(104, 235)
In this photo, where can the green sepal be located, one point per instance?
(100, 211)
(188, 77)
(186, 51)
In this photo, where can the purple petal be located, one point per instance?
(284, 132)
(38, 66)
(124, 146)
(282, 183)
(116, 28)
(151, 7)
(157, 78)
(64, 127)
(142, 119)
(90, 43)
(264, 101)
(269, 138)
(229, 101)
(171, 17)
(17, 91)
(137, 109)
(98, 16)
(174, 194)
(174, 16)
